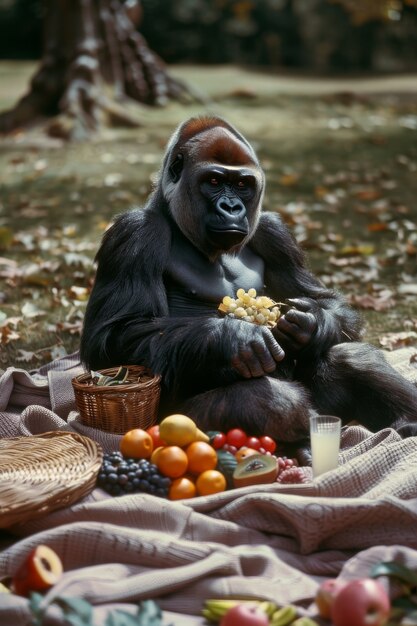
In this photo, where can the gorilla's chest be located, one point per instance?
(196, 286)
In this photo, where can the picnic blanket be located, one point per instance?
(273, 542)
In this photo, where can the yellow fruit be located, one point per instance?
(180, 430)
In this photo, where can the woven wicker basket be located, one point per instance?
(119, 408)
(42, 473)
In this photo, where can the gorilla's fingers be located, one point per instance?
(250, 359)
(267, 362)
(240, 367)
(295, 335)
(274, 348)
(302, 304)
(306, 321)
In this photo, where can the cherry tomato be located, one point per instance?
(218, 441)
(236, 437)
(268, 443)
(254, 443)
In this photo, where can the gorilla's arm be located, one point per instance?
(320, 318)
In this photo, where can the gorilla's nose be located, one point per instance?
(231, 207)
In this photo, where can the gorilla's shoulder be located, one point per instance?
(273, 239)
(271, 228)
(135, 232)
(138, 219)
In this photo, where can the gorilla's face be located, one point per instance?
(229, 193)
(214, 188)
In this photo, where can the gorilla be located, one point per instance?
(163, 270)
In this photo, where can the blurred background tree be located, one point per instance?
(316, 36)
(95, 66)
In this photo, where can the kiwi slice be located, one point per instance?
(255, 470)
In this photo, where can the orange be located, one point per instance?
(155, 454)
(201, 457)
(209, 482)
(136, 443)
(172, 461)
(243, 453)
(182, 488)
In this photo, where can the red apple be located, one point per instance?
(41, 569)
(361, 602)
(326, 594)
(245, 615)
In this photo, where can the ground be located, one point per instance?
(340, 158)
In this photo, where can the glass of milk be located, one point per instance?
(325, 442)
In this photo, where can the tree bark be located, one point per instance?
(94, 65)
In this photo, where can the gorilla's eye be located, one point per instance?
(214, 181)
(241, 184)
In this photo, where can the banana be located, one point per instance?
(4, 589)
(214, 608)
(304, 621)
(208, 615)
(283, 616)
(267, 607)
(220, 606)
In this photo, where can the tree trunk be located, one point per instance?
(94, 66)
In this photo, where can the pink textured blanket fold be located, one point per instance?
(273, 541)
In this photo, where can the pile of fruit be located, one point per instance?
(173, 459)
(249, 307)
(252, 463)
(176, 460)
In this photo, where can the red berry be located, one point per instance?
(268, 443)
(218, 441)
(292, 475)
(254, 443)
(236, 437)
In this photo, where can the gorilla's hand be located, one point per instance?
(297, 327)
(255, 351)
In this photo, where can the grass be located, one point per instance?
(340, 159)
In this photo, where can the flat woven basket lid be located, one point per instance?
(42, 473)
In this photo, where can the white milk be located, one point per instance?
(325, 451)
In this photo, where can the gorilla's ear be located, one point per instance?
(176, 166)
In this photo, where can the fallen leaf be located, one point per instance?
(376, 303)
(79, 293)
(6, 237)
(8, 334)
(377, 227)
(367, 194)
(25, 356)
(31, 310)
(407, 289)
(289, 180)
(363, 249)
(393, 341)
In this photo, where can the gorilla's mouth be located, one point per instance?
(226, 238)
